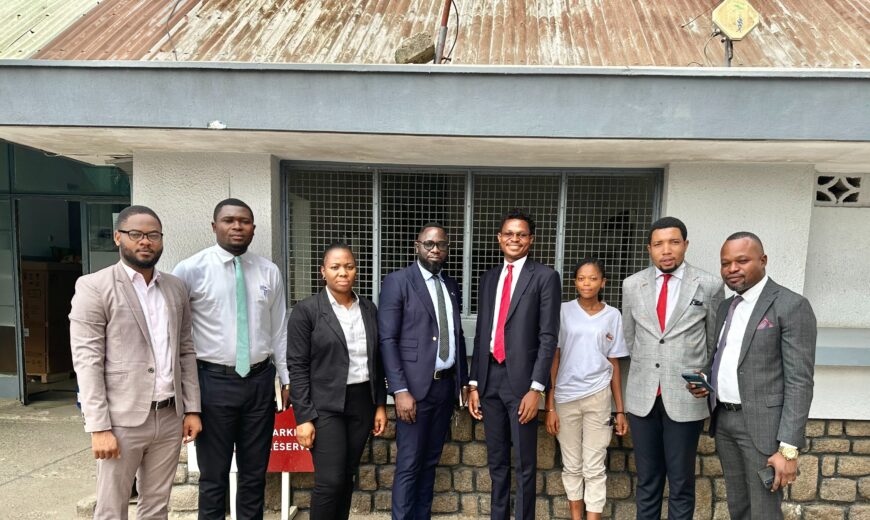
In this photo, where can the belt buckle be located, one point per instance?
(437, 375)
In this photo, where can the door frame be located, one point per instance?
(84, 222)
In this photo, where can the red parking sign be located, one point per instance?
(287, 454)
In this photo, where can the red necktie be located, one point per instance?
(662, 305)
(662, 310)
(504, 306)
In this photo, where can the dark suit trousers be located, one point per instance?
(339, 440)
(747, 497)
(664, 448)
(235, 411)
(503, 429)
(419, 450)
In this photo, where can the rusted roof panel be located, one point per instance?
(27, 25)
(792, 33)
(119, 30)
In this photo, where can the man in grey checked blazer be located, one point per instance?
(669, 314)
(762, 371)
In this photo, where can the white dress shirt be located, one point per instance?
(211, 282)
(515, 275)
(156, 317)
(729, 389)
(673, 288)
(354, 329)
(431, 280)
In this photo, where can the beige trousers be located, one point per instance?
(584, 434)
(150, 453)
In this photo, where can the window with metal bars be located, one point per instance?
(379, 210)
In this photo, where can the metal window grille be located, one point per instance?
(324, 207)
(411, 199)
(493, 195)
(605, 213)
(608, 217)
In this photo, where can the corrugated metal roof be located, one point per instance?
(118, 30)
(792, 33)
(27, 25)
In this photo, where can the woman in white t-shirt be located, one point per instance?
(585, 375)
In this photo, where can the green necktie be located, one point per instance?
(243, 355)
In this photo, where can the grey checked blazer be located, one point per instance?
(775, 368)
(659, 358)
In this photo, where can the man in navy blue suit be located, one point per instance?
(423, 349)
(517, 331)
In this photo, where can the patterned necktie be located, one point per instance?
(443, 330)
(662, 305)
(498, 344)
(723, 342)
(243, 355)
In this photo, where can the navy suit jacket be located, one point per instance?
(531, 330)
(408, 331)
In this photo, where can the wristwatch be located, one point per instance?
(788, 452)
(543, 395)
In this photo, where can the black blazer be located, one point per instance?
(317, 357)
(531, 330)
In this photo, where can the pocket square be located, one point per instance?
(765, 324)
(697, 302)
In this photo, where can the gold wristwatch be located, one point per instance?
(788, 452)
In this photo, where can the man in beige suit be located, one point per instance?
(130, 335)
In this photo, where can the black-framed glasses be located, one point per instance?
(135, 235)
(429, 245)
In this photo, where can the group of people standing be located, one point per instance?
(164, 359)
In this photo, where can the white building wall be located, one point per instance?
(183, 189)
(838, 266)
(774, 201)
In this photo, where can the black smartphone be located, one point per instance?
(697, 380)
(766, 475)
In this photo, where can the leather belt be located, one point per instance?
(256, 368)
(166, 403)
(731, 407)
(445, 373)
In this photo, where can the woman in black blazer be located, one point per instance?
(337, 381)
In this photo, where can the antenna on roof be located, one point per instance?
(734, 19)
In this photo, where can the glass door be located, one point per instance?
(99, 245)
(10, 383)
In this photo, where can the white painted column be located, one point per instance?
(183, 188)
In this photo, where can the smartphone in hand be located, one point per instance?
(698, 380)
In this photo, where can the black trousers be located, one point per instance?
(664, 448)
(503, 430)
(339, 440)
(236, 412)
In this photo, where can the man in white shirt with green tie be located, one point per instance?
(240, 335)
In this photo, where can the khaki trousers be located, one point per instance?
(584, 434)
(150, 453)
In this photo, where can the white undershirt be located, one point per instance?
(354, 329)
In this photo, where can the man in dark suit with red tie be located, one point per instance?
(517, 331)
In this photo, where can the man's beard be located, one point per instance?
(432, 267)
(131, 259)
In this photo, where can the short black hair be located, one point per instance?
(597, 262)
(231, 202)
(517, 214)
(665, 223)
(432, 224)
(129, 211)
(746, 234)
(338, 244)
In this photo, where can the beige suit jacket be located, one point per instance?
(112, 354)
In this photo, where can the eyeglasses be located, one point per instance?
(135, 236)
(429, 245)
(510, 235)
